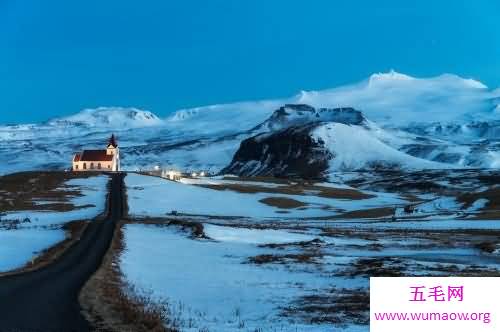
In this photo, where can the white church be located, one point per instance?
(98, 160)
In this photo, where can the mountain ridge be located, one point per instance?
(114, 116)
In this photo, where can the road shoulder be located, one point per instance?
(110, 305)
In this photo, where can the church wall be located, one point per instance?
(78, 166)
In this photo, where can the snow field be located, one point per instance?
(20, 244)
(154, 196)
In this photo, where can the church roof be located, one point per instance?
(95, 155)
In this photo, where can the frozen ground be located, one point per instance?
(18, 246)
(262, 271)
(87, 205)
(154, 196)
(218, 290)
(281, 277)
(26, 233)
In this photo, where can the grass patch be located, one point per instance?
(282, 202)
(195, 228)
(488, 247)
(301, 244)
(303, 188)
(366, 213)
(492, 195)
(302, 258)
(335, 306)
(376, 267)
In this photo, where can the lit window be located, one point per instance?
(84, 165)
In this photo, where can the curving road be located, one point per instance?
(46, 300)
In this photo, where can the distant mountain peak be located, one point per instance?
(391, 76)
(301, 114)
(394, 78)
(112, 117)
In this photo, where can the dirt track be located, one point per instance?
(46, 300)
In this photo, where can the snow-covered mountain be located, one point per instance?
(299, 140)
(393, 99)
(109, 117)
(386, 120)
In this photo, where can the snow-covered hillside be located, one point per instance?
(355, 148)
(445, 119)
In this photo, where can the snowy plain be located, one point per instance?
(21, 241)
(247, 271)
(212, 284)
(155, 196)
(217, 290)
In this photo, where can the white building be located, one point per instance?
(98, 160)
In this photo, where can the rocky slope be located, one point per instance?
(288, 152)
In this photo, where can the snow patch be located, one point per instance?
(18, 246)
(253, 236)
(477, 205)
(354, 147)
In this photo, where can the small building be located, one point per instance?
(98, 160)
(171, 175)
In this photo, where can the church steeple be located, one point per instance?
(112, 141)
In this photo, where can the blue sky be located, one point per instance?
(59, 56)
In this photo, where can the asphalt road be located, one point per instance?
(46, 300)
